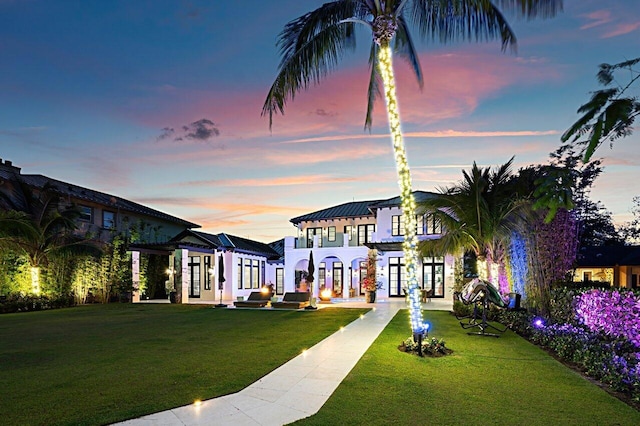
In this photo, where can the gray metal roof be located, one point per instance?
(228, 242)
(395, 201)
(346, 210)
(357, 208)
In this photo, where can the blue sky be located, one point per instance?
(119, 96)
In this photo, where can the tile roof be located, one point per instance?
(86, 194)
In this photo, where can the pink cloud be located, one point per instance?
(283, 181)
(597, 18)
(455, 84)
(622, 29)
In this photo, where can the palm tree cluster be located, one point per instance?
(312, 45)
(498, 217)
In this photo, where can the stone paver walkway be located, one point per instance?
(294, 390)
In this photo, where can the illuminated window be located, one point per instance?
(365, 233)
(207, 274)
(397, 225)
(255, 275)
(310, 234)
(279, 280)
(247, 273)
(331, 236)
(348, 229)
(322, 275)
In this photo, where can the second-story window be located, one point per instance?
(397, 225)
(331, 233)
(432, 225)
(348, 229)
(108, 220)
(310, 233)
(365, 233)
(86, 214)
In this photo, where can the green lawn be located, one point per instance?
(105, 363)
(504, 381)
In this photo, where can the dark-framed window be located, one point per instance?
(279, 280)
(396, 276)
(348, 229)
(255, 274)
(194, 272)
(397, 225)
(108, 219)
(337, 276)
(365, 233)
(322, 275)
(247, 274)
(310, 234)
(432, 225)
(263, 273)
(331, 233)
(239, 277)
(86, 214)
(433, 275)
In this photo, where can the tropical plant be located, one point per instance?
(312, 44)
(610, 113)
(477, 214)
(38, 226)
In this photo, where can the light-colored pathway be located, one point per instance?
(296, 389)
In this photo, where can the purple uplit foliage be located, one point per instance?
(614, 313)
(503, 281)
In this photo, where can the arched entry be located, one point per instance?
(300, 270)
(331, 275)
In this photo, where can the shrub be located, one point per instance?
(430, 347)
(615, 313)
(26, 303)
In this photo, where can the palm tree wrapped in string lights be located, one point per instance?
(312, 44)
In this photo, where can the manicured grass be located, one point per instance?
(105, 363)
(504, 381)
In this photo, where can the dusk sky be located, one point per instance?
(120, 96)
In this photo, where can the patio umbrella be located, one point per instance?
(221, 279)
(310, 270)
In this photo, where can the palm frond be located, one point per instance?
(404, 47)
(530, 9)
(375, 83)
(452, 20)
(311, 47)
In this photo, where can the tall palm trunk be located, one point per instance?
(404, 181)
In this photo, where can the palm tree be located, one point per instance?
(312, 44)
(478, 214)
(38, 226)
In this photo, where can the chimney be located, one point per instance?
(8, 165)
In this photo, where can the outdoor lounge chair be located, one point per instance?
(256, 299)
(480, 294)
(293, 300)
